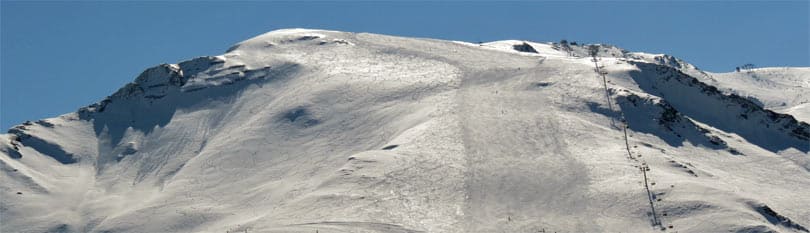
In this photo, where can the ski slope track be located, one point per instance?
(302, 130)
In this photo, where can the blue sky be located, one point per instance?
(58, 56)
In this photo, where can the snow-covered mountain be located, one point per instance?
(322, 131)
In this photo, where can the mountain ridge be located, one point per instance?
(297, 130)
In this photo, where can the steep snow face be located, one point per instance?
(304, 130)
(782, 89)
(732, 113)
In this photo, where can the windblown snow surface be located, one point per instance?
(322, 131)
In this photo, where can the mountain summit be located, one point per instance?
(303, 130)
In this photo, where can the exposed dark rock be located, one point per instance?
(525, 47)
(777, 219)
(783, 130)
(661, 119)
(44, 147)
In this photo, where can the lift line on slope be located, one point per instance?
(643, 166)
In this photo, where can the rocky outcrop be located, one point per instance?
(651, 115)
(525, 47)
(731, 113)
